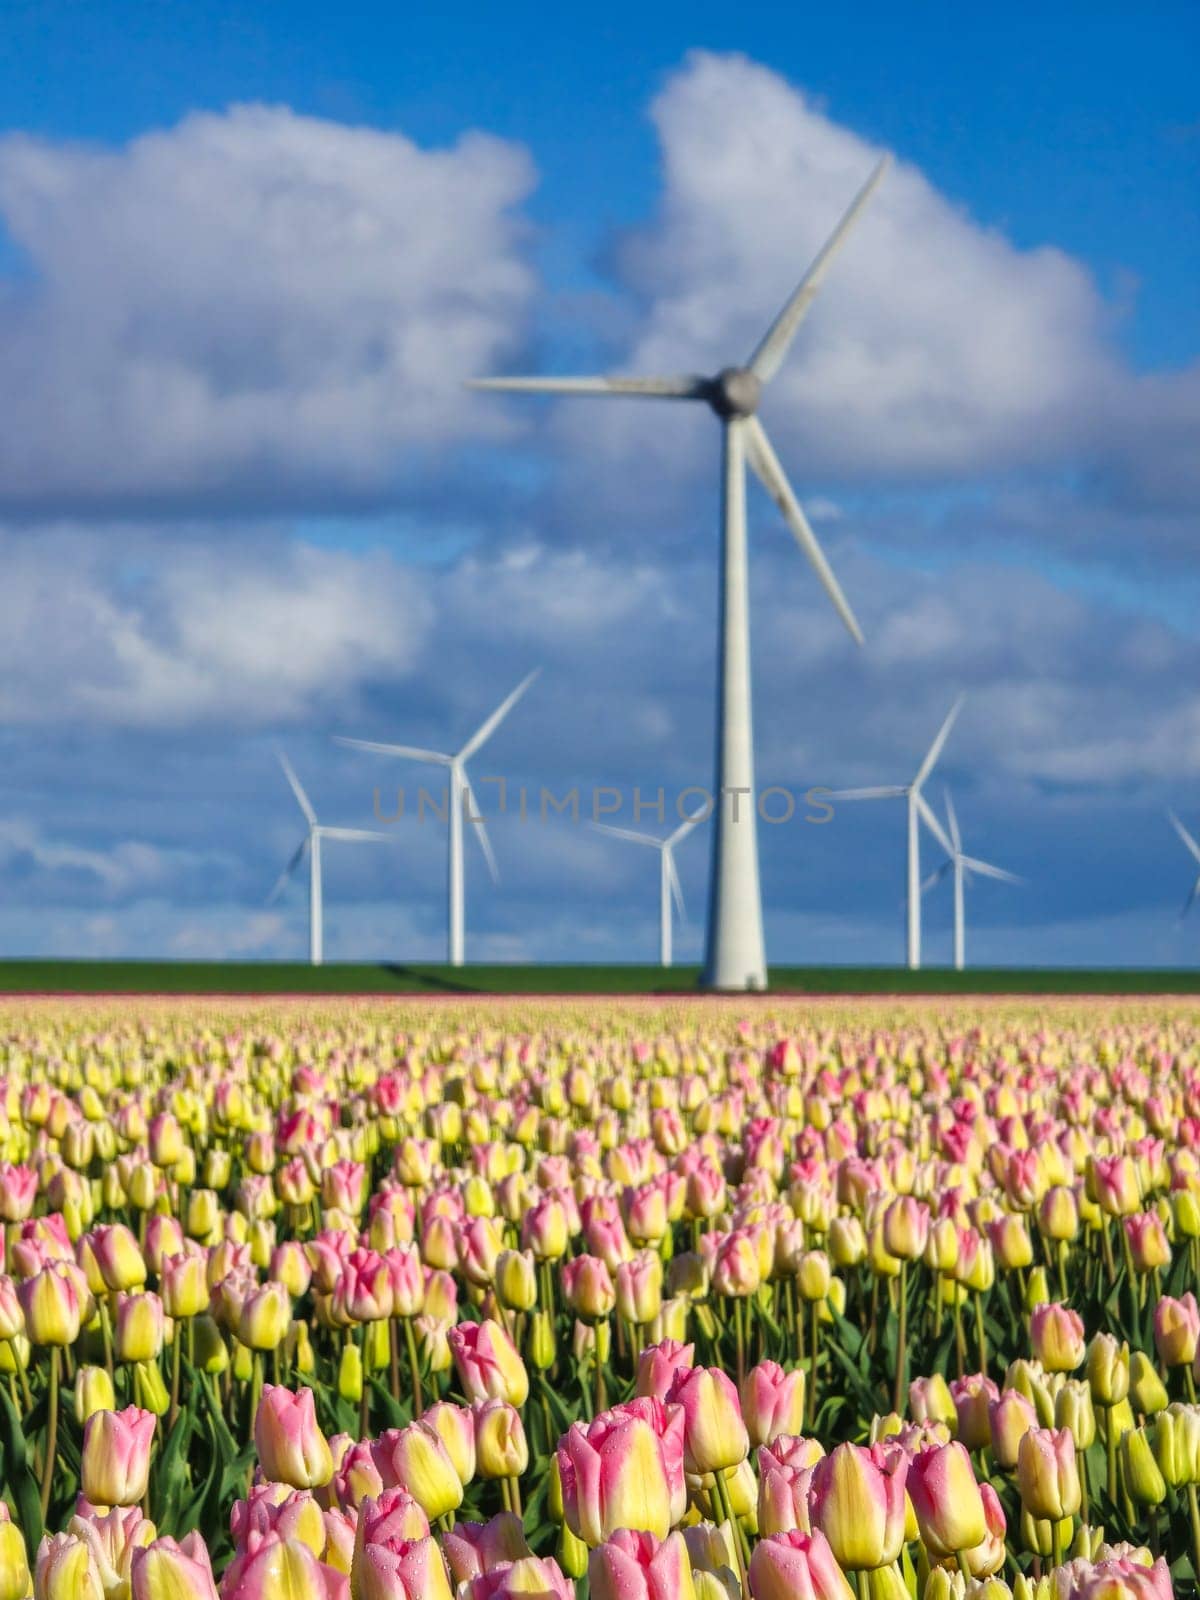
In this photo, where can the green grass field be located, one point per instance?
(253, 977)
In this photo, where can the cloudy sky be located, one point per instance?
(249, 253)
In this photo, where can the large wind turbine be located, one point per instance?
(918, 811)
(962, 866)
(1194, 849)
(460, 795)
(669, 886)
(312, 843)
(735, 957)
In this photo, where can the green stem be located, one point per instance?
(981, 1333)
(814, 1328)
(1110, 1445)
(51, 1432)
(176, 1358)
(414, 1367)
(900, 1388)
(1194, 1510)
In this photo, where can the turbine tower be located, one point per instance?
(735, 957)
(963, 866)
(669, 886)
(1194, 850)
(312, 843)
(460, 796)
(918, 811)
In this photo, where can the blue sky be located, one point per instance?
(248, 252)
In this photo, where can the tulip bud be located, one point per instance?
(516, 1280)
(1108, 1369)
(1073, 1410)
(1142, 1476)
(165, 1570)
(1146, 1388)
(787, 1565)
(1056, 1333)
(1177, 1330)
(930, 1400)
(350, 1373)
(93, 1392)
(138, 1334)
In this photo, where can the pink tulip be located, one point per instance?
(858, 1503)
(796, 1566)
(588, 1287)
(1057, 1336)
(181, 1570)
(116, 1456)
(404, 1570)
(714, 1434)
(471, 1548)
(1177, 1330)
(972, 1395)
(1122, 1578)
(278, 1567)
(772, 1402)
(488, 1363)
(658, 1364)
(624, 1470)
(636, 1566)
(945, 1497)
(394, 1517)
(529, 1576)
(291, 1447)
(18, 1191)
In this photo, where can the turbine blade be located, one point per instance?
(678, 388)
(935, 749)
(297, 788)
(1184, 835)
(771, 475)
(1191, 900)
(628, 833)
(952, 823)
(686, 826)
(767, 359)
(410, 752)
(479, 828)
(889, 791)
(932, 823)
(676, 886)
(485, 732)
(356, 833)
(294, 862)
(986, 870)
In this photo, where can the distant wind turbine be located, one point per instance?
(735, 956)
(669, 886)
(312, 843)
(918, 811)
(1194, 850)
(962, 866)
(461, 795)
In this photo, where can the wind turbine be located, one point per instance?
(918, 811)
(460, 795)
(312, 843)
(1194, 850)
(963, 866)
(668, 878)
(735, 957)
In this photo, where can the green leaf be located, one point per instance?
(18, 1474)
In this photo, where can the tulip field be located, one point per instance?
(345, 1299)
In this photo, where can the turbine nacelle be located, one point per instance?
(735, 392)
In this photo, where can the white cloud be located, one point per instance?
(247, 306)
(936, 346)
(243, 632)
